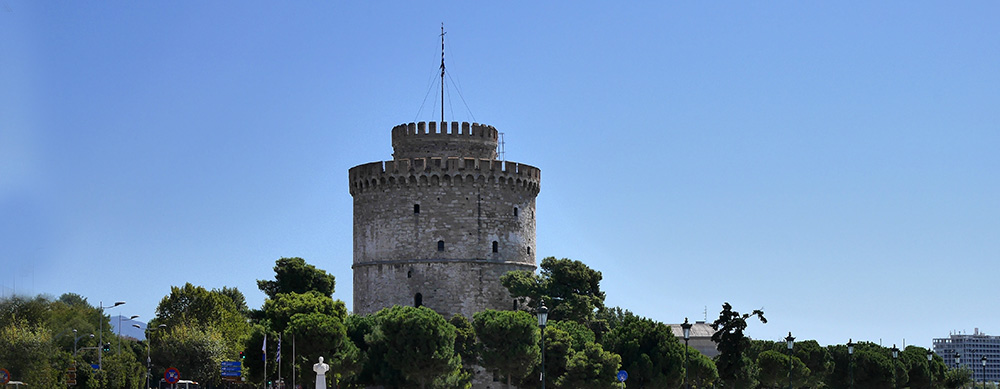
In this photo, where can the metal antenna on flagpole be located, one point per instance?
(442, 76)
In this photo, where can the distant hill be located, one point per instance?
(127, 329)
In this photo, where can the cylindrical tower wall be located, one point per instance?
(445, 229)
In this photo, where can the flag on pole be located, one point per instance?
(278, 354)
(263, 349)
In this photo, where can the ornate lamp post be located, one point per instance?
(687, 335)
(100, 337)
(790, 342)
(543, 316)
(984, 371)
(850, 360)
(958, 358)
(895, 356)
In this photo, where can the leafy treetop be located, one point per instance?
(295, 275)
(570, 289)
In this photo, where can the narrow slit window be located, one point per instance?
(529, 250)
(515, 211)
(440, 245)
(418, 300)
(416, 208)
(496, 246)
(409, 273)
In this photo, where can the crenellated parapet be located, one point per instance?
(428, 139)
(443, 171)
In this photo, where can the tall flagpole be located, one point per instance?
(442, 78)
(293, 360)
(277, 357)
(263, 349)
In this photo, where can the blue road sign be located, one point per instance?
(231, 369)
(172, 375)
(95, 366)
(622, 375)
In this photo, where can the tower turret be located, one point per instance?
(418, 140)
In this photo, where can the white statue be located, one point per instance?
(321, 369)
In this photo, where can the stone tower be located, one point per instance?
(442, 221)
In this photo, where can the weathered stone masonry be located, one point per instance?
(441, 222)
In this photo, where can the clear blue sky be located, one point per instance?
(833, 163)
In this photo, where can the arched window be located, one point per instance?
(440, 245)
(418, 300)
(416, 208)
(409, 273)
(496, 246)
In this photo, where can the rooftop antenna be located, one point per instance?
(503, 151)
(442, 76)
(705, 312)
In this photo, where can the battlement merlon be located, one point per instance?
(427, 140)
(445, 169)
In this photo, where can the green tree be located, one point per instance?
(280, 309)
(957, 378)
(238, 299)
(921, 373)
(558, 349)
(735, 368)
(701, 370)
(196, 351)
(122, 370)
(358, 328)
(776, 368)
(649, 351)
(294, 275)
(210, 311)
(26, 350)
(72, 312)
(31, 311)
(509, 342)
(570, 289)
(873, 366)
(322, 335)
(817, 360)
(589, 368)
(414, 345)
(465, 339)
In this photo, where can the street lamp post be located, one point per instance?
(120, 330)
(687, 335)
(100, 332)
(850, 360)
(76, 338)
(149, 344)
(543, 316)
(895, 357)
(958, 358)
(984, 371)
(789, 342)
